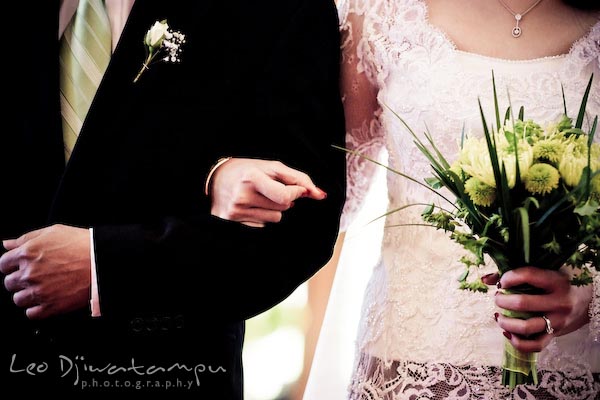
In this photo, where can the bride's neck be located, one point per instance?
(485, 27)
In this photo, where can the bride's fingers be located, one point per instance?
(253, 224)
(542, 303)
(491, 279)
(544, 279)
(531, 345)
(250, 206)
(293, 177)
(259, 215)
(276, 191)
(257, 200)
(249, 215)
(527, 328)
(554, 285)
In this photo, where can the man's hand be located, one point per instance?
(255, 192)
(48, 270)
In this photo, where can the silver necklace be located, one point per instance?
(517, 31)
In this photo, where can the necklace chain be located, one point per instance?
(517, 31)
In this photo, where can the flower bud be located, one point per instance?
(156, 34)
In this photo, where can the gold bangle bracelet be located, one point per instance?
(211, 172)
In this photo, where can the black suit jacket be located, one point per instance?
(256, 79)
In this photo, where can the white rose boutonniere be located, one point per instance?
(156, 34)
(161, 42)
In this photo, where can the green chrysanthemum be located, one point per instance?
(565, 123)
(541, 179)
(481, 193)
(528, 129)
(575, 159)
(455, 167)
(551, 150)
(474, 160)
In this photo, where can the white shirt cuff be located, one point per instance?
(95, 300)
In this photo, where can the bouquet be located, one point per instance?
(525, 194)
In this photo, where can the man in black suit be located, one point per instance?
(257, 80)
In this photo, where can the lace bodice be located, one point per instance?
(419, 334)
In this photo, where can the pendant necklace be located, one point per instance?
(517, 31)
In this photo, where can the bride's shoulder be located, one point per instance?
(382, 7)
(595, 32)
(587, 48)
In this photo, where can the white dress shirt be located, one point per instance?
(117, 10)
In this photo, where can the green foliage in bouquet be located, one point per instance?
(524, 195)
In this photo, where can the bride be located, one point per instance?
(419, 336)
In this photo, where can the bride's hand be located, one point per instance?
(564, 305)
(255, 192)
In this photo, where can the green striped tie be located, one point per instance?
(84, 55)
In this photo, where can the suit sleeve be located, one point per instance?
(222, 269)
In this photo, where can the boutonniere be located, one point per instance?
(161, 44)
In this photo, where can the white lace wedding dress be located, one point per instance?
(420, 337)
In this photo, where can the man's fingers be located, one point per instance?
(9, 262)
(25, 298)
(13, 282)
(10, 244)
(36, 312)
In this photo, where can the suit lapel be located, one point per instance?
(118, 99)
(117, 93)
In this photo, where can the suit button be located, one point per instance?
(151, 324)
(137, 325)
(165, 323)
(37, 332)
(178, 321)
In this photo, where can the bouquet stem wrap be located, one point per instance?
(519, 367)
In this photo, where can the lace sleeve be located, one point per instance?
(595, 311)
(363, 129)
